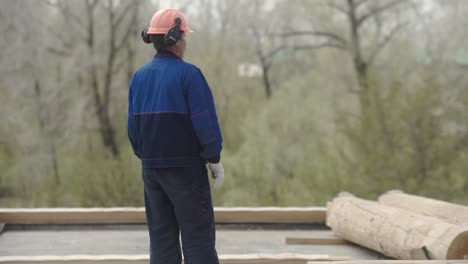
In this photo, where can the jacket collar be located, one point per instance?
(166, 54)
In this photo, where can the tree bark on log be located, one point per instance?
(395, 232)
(449, 212)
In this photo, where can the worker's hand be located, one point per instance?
(217, 172)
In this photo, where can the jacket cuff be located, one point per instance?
(215, 159)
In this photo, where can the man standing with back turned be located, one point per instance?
(174, 130)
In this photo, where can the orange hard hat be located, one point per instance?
(165, 19)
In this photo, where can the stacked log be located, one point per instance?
(396, 232)
(449, 212)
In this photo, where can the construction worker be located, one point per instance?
(174, 130)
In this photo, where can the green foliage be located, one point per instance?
(98, 180)
(7, 157)
(88, 177)
(405, 141)
(300, 147)
(291, 151)
(284, 158)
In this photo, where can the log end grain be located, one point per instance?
(458, 249)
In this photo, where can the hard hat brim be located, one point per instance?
(164, 31)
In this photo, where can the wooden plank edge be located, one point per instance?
(137, 259)
(292, 215)
(316, 241)
(295, 215)
(393, 262)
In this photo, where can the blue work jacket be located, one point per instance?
(172, 118)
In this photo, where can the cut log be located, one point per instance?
(449, 212)
(395, 232)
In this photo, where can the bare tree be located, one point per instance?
(358, 14)
(266, 48)
(265, 57)
(121, 17)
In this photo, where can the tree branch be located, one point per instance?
(264, 61)
(58, 52)
(379, 10)
(66, 13)
(118, 19)
(326, 34)
(318, 46)
(359, 3)
(126, 35)
(338, 8)
(58, 35)
(268, 58)
(274, 52)
(379, 26)
(385, 41)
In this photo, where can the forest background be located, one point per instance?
(314, 97)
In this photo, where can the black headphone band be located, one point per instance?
(178, 22)
(175, 33)
(145, 36)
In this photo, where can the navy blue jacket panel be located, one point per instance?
(172, 120)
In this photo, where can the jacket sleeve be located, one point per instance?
(131, 122)
(203, 116)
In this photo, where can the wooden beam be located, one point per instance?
(395, 232)
(450, 212)
(72, 215)
(316, 241)
(143, 259)
(393, 262)
(292, 215)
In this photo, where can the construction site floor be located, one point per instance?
(35, 240)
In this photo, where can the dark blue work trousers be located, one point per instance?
(179, 200)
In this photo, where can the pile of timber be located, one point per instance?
(402, 226)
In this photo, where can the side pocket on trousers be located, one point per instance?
(203, 194)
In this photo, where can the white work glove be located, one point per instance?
(217, 172)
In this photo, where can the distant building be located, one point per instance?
(250, 70)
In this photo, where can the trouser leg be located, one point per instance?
(189, 190)
(162, 223)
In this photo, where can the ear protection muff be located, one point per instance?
(145, 36)
(174, 34)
